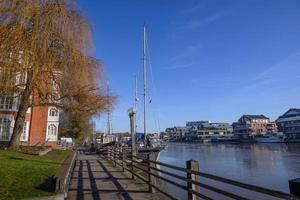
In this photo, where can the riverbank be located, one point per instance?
(26, 176)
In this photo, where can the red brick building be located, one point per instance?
(254, 125)
(40, 126)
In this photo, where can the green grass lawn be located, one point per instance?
(25, 176)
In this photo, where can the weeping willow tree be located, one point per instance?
(45, 58)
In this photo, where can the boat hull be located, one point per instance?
(144, 152)
(262, 140)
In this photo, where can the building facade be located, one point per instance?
(41, 122)
(40, 126)
(180, 132)
(253, 125)
(199, 130)
(207, 129)
(289, 124)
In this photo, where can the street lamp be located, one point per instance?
(131, 113)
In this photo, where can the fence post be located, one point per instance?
(294, 186)
(152, 179)
(121, 157)
(108, 153)
(114, 155)
(192, 165)
(132, 163)
(123, 160)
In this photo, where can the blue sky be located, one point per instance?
(211, 59)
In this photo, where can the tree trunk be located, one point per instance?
(20, 119)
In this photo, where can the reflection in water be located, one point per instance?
(267, 165)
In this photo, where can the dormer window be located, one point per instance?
(53, 112)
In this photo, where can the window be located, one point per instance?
(24, 134)
(53, 112)
(22, 78)
(4, 128)
(52, 130)
(6, 102)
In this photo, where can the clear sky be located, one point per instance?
(211, 59)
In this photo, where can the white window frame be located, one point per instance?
(3, 128)
(6, 102)
(24, 136)
(53, 112)
(52, 130)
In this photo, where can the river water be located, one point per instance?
(266, 165)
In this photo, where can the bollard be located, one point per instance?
(151, 178)
(192, 165)
(294, 186)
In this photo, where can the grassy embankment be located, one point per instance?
(25, 176)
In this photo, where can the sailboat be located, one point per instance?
(149, 144)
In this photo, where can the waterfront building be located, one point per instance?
(170, 132)
(252, 125)
(180, 132)
(103, 138)
(207, 129)
(272, 127)
(199, 130)
(177, 133)
(289, 124)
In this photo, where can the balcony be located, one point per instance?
(293, 125)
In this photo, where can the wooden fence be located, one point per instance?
(152, 174)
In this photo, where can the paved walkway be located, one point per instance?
(96, 178)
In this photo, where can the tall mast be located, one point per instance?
(135, 102)
(109, 126)
(145, 84)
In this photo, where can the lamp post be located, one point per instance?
(131, 113)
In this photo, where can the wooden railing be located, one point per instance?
(151, 173)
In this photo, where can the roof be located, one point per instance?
(255, 116)
(180, 127)
(196, 123)
(292, 112)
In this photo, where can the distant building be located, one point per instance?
(207, 129)
(169, 131)
(103, 138)
(272, 127)
(289, 124)
(253, 125)
(195, 123)
(180, 132)
(177, 133)
(198, 130)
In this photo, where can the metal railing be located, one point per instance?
(151, 173)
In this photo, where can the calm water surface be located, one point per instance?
(267, 165)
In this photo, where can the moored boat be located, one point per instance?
(270, 138)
